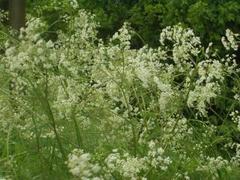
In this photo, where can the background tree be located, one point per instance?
(207, 18)
(17, 13)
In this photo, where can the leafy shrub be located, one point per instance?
(208, 19)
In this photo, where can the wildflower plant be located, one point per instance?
(83, 108)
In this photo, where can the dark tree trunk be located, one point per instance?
(17, 13)
(4, 5)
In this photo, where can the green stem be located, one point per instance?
(77, 130)
(46, 106)
(53, 123)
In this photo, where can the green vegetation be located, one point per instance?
(207, 18)
(84, 96)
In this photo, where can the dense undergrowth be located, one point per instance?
(81, 108)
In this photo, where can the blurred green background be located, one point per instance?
(208, 18)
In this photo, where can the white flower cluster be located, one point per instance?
(213, 165)
(74, 4)
(236, 118)
(184, 176)
(210, 76)
(185, 44)
(145, 102)
(126, 165)
(235, 160)
(157, 158)
(3, 15)
(175, 129)
(231, 41)
(80, 165)
(202, 96)
(131, 167)
(237, 97)
(123, 36)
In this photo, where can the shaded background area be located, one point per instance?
(208, 18)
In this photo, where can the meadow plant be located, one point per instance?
(82, 108)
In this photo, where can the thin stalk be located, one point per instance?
(53, 123)
(77, 130)
(132, 125)
(7, 143)
(129, 111)
(46, 106)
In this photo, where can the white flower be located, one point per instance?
(156, 157)
(79, 164)
(74, 4)
(126, 165)
(230, 42)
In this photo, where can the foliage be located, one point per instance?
(82, 108)
(207, 18)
